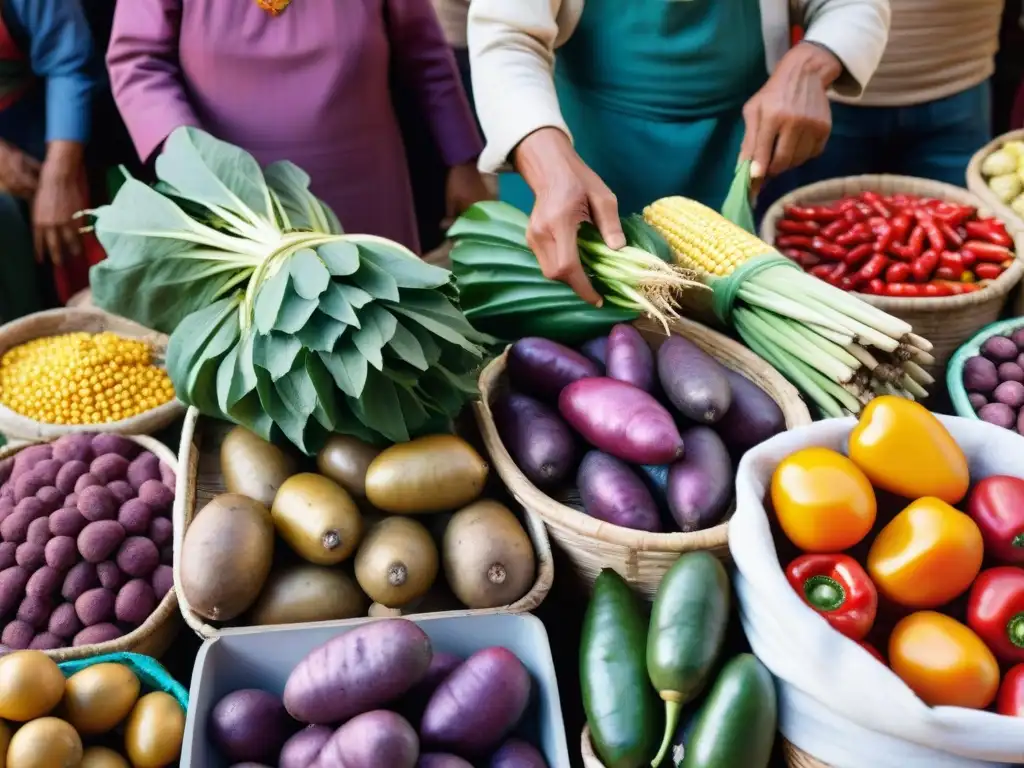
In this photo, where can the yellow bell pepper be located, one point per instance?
(944, 662)
(929, 554)
(904, 449)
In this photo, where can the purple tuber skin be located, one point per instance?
(612, 491)
(370, 666)
(440, 760)
(541, 444)
(301, 750)
(249, 725)
(543, 368)
(630, 359)
(477, 704)
(597, 351)
(621, 420)
(516, 753)
(415, 701)
(700, 485)
(371, 740)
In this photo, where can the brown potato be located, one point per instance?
(345, 460)
(307, 592)
(397, 562)
(47, 742)
(99, 697)
(31, 684)
(253, 467)
(317, 518)
(154, 731)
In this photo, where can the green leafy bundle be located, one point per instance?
(279, 321)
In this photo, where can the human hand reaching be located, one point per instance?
(60, 195)
(465, 185)
(19, 172)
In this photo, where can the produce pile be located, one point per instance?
(82, 378)
(1004, 172)
(628, 663)
(898, 245)
(97, 718)
(608, 418)
(278, 321)
(86, 540)
(380, 695)
(285, 545)
(994, 381)
(889, 561)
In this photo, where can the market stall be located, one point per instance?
(384, 467)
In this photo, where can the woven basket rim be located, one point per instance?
(165, 610)
(830, 189)
(976, 181)
(69, 320)
(555, 513)
(185, 511)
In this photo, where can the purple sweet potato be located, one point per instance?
(38, 531)
(540, 443)
(97, 503)
(70, 501)
(415, 701)
(17, 635)
(61, 553)
(95, 606)
(612, 491)
(13, 581)
(26, 459)
(135, 602)
(162, 580)
(700, 485)
(161, 531)
(441, 760)
(145, 466)
(621, 420)
(999, 349)
(6, 507)
(69, 474)
(35, 611)
(15, 526)
(110, 576)
(47, 471)
(516, 753)
(138, 556)
(630, 359)
(999, 414)
(85, 481)
(67, 522)
(477, 704)
(167, 476)
(135, 516)
(75, 447)
(117, 444)
(64, 621)
(45, 582)
(542, 368)
(977, 400)
(30, 556)
(122, 491)
(301, 749)
(249, 725)
(1010, 372)
(1010, 393)
(7, 554)
(597, 351)
(6, 468)
(694, 382)
(27, 486)
(80, 579)
(371, 740)
(364, 668)
(752, 417)
(46, 641)
(109, 467)
(157, 495)
(98, 633)
(99, 540)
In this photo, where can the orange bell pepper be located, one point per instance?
(904, 449)
(929, 554)
(943, 661)
(823, 502)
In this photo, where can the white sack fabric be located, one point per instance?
(836, 701)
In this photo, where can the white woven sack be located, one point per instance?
(836, 702)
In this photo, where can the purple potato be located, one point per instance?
(999, 414)
(30, 556)
(369, 666)
(162, 581)
(135, 517)
(752, 417)
(1010, 372)
(99, 540)
(135, 602)
(61, 553)
(440, 760)
(109, 467)
(1017, 337)
(977, 401)
(157, 495)
(145, 466)
(47, 471)
(161, 531)
(67, 522)
(27, 486)
(540, 443)
(621, 420)
(477, 704)
(46, 641)
(138, 556)
(13, 581)
(38, 531)
(95, 606)
(8, 551)
(543, 368)
(122, 491)
(980, 375)
(415, 701)
(630, 359)
(596, 350)
(694, 382)
(97, 503)
(45, 582)
(64, 621)
(74, 447)
(17, 635)
(999, 349)
(110, 575)
(80, 579)
(516, 753)
(301, 749)
(50, 498)
(69, 474)
(26, 459)
(6, 468)
(98, 633)
(612, 491)
(104, 443)
(87, 480)
(35, 611)
(700, 485)
(1010, 393)
(249, 725)
(371, 740)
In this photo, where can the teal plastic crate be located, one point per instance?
(969, 349)
(150, 672)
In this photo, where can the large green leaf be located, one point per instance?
(309, 276)
(340, 257)
(192, 335)
(408, 270)
(335, 303)
(321, 333)
(269, 299)
(378, 328)
(380, 409)
(290, 424)
(326, 409)
(295, 312)
(201, 385)
(276, 353)
(347, 366)
(303, 211)
(297, 391)
(375, 281)
(435, 313)
(408, 348)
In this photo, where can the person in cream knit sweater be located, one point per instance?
(603, 106)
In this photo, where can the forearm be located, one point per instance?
(64, 160)
(854, 31)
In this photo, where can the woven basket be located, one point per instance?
(200, 480)
(977, 184)
(797, 758)
(639, 557)
(61, 321)
(156, 634)
(972, 348)
(946, 322)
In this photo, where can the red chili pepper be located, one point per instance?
(936, 241)
(903, 290)
(995, 610)
(916, 242)
(874, 200)
(951, 235)
(803, 242)
(837, 587)
(937, 288)
(897, 273)
(872, 650)
(1010, 699)
(803, 258)
(788, 227)
(901, 226)
(901, 252)
(822, 271)
(839, 271)
(997, 505)
(991, 230)
(857, 235)
(827, 250)
(988, 271)
(811, 213)
(846, 283)
(968, 258)
(854, 215)
(988, 251)
(952, 260)
(924, 266)
(834, 229)
(876, 287)
(947, 273)
(874, 267)
(957, 288)
(857, 254)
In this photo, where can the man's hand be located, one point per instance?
(19, 173)
(60, 196)
(568, 193)
(465, 185)
(788, 121)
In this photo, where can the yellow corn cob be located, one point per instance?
(701, 238)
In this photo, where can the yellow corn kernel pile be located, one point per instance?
(82, 378)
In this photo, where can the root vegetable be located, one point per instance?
(612, 491)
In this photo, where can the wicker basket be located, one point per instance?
(591, 544)
(200, 480)
(946, 321)
(60, 321)
(156, 634)
(977, 184)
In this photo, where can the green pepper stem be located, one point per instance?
(1015, 630)
(672, 711)
(824, 593)
(1018, 541)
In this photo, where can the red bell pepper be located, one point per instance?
(995, 611)
(839, 589)
(997, 506)
(1010, 699)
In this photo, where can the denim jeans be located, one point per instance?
(934, 140)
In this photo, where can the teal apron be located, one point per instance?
(652, 91)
